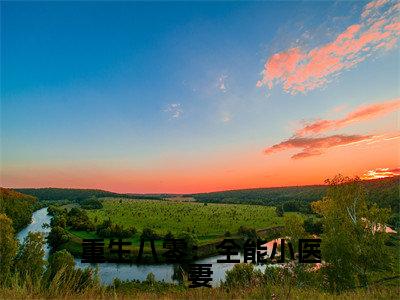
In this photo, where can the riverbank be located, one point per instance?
(108, 271)
(206, 248)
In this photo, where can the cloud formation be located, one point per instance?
(222, 83)
(361, 113)
(175, 110)
(381, 173)
(311, 146)
(299, 70)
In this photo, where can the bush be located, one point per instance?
(149, 234)
(279, 211)
(79, 220)
(60, 260)
(313, 226)
(248, 233)
(57, 237)
(109, 230)
(241, 276)
(58, 220)
(29, 261)
(92, 203)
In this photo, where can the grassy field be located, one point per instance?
(209, 222)
(205, 220)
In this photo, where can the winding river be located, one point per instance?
(109, 271)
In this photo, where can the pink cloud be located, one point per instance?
(381, 173)
(360, 114)
(371, 6)
(299, 70)
(311, 146)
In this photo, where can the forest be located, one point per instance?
(19, 207)
(77, 195)
(384, 192)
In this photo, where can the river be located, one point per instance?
(109, 271)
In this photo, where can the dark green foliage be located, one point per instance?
(191, 242)
(17, 206)
(248, 233)
(59, 220)
(62, 278)
(265, 196)
(53, 210)
(169, 235)
(92, 203)
(79, 220)
(78, 195)
(29, 261)
(149, 285)
(57, 237)
(385, 192)
(242, 276)
(394, 220)
(353, 245)
(60, 260)
(109, 230)
(279, 211)
(8, 248)
(312, 225)
(299, 206)
(149, 234)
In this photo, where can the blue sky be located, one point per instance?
(155, 87)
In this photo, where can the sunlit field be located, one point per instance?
(202, 219)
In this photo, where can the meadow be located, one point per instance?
(204, 220)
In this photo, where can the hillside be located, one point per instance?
(17, 206)
(75, 195)
(384, 192)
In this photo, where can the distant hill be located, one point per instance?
(384, 192)
(76, 195)
(17, 206)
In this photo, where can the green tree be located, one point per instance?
(353, 242)
(8, 248)
(59, 220)
(279, 211)
(60, 260)
(17, 206)
(57, 237)
(242, 276)
(294, 228)
(30, 258)
(248, 233)
(313, 226)
(148, 234)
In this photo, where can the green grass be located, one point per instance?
(206, 221)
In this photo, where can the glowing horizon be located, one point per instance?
(198, 97)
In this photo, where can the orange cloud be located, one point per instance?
(381, 173)
(300, 71)
(360, 114)
(312, 146)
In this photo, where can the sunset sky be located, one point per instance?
(194, 97)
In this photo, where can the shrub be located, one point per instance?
(241, 276)
(57, 237)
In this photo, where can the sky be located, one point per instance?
(179, 97)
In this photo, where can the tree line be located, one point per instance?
(18, 207)
(383, 192)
